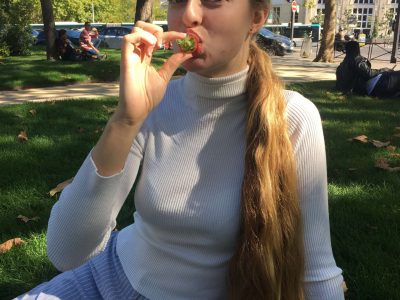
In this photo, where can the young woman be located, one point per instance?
(231, 202)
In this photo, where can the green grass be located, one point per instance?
(364, 204)
(20, 72)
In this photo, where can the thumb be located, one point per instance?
(172, 63)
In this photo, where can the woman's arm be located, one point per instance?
(81, 221)
(323, 278)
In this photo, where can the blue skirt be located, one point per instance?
(102, 277)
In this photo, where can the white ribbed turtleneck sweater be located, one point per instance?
(188, 196)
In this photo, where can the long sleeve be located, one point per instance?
(363, 67)
(82, 220)
(323, 278)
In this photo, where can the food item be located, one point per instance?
(189, 44)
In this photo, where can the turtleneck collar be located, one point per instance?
(203, 93)
(215, 88)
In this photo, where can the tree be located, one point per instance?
(144, 10)
(326, 53)
(49, 29)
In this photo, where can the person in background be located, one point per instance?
(65, 47)
(86, 44)
(231, 200)
(355, 75)
(94, 34)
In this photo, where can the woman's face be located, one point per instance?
(224, 28)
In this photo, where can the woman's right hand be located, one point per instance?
(141, 85)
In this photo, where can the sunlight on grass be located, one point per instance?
(25, 266)
(363, 200)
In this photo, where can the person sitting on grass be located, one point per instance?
(355, 75)
(66, 49)
(231, 200)
(86, 44)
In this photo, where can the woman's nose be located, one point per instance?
(192, 15)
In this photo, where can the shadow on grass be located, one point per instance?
(60, 136)
(22, 73)
(363, 200)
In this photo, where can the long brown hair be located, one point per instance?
(269, 260)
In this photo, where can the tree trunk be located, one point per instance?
(326, 51)
(49, 29)
(144, 11)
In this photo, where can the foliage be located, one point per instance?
(318, 18)
(343, 22)
(309, 4)
(15, 33)
(159, 11)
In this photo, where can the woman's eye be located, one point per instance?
(211, 2)
(176, 1)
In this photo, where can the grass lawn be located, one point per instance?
(35, 71)
(364, 205)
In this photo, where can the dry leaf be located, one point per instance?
(344, 287)
(391, 148)
(26, 219)
(379, 144)
(361, 138)
(383, 163)
(98, 130)
(80, 130)
(396, 155)
(352, 169)
(33, 112)
(109, 109)
(7, 245)
(22, 136)
(60, 187)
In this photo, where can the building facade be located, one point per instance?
(352, 15)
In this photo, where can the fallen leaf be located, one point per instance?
(98, 130)
(7, 245)
(80, 129)
(383, 163)
(60, 187)
(33, 112)
(344, 287)
(26, 219)
(396, 155)
(352, 169)
(391, 148)
(379, 144)
(361, 138)
(22, 136)
(109, 109)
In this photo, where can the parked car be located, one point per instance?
(73, 36)
(274, 44)
(112, 36)
(39, 38)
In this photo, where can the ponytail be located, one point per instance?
(269, 260)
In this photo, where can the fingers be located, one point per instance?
(172, 63)
(132, 42)
(170, 36)
(153, 29)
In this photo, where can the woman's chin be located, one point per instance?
(194, 65)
